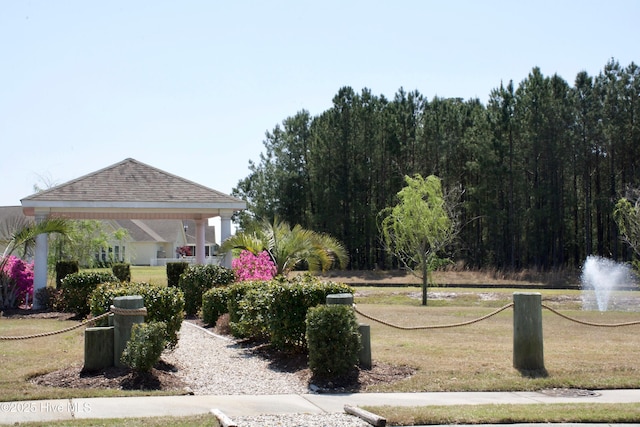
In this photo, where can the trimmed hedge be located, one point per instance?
(197, 279)
(122, 271)
(290, 302)
(275, 310)
(174, 270)
(214, 304)
(235, 295)
(163, 304)
(334, 341)
(63, 269)
(77, 288)
(248, 305)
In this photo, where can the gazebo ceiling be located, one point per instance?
(131, 190)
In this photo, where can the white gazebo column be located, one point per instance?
(40, 263)
(200, 255)
(225, 233)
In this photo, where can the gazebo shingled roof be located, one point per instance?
(131, 190)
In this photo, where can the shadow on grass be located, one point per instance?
(534, 373)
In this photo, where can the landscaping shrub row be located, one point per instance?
(76, 286)
(289, 313)
(275, 310)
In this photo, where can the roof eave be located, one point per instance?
(103, 210)
(236, 205)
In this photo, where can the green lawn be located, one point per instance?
(477, 357)
(153, 275)
(141, 273)
(510, 414)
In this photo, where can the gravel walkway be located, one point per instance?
(211, 364)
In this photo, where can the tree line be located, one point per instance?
(540, 167)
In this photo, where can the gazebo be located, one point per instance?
(130, 190)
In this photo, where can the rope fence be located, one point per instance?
(128, 311)
(115, 310)
(493, 313)
(143, 312)
(584, 322)
(452, 325)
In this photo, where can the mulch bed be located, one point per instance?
(358, 380)
(163, 375)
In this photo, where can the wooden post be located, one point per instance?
(123, 324)
(223, 419)
(365, 351)
(369, 417)
(340, 299)
(528, 354)
(98, 348)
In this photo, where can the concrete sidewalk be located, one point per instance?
(248, 405)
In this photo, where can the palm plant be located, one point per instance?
(290, 248)
(19, 233)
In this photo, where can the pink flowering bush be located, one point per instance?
(183, 251)
(16, 278)
(253, 267)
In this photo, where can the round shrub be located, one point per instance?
(163, 304)
(122, 271)
(199, 278)
(144, 348)
(214, 304)
(77, 287)
(63, 269)
(174, 270)
(333, 341)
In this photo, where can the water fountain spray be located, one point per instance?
(600, 278)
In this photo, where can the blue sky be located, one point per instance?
(191, 87)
